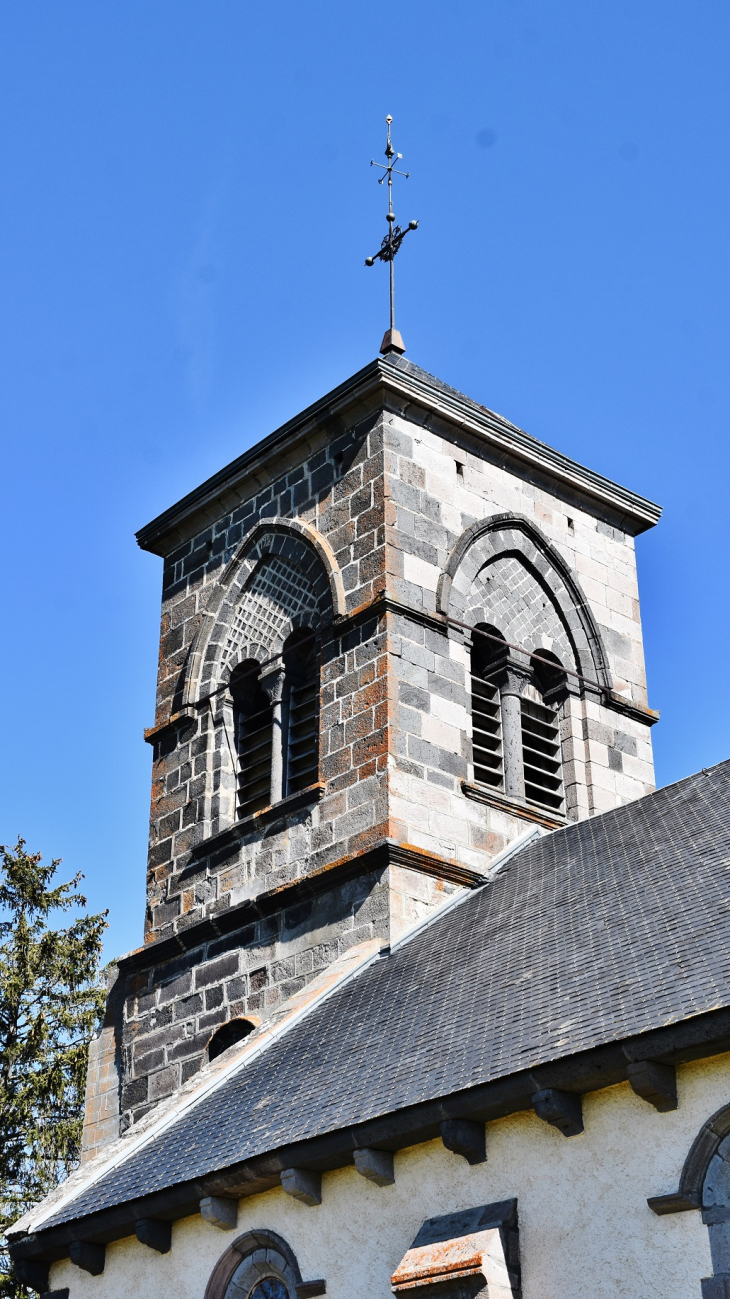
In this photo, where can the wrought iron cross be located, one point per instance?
(392, 341)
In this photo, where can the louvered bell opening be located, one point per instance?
(486, 721)
(253, 742)
(541, 756)
(302, 765)
(487, 655)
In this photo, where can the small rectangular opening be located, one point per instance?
(459, 468)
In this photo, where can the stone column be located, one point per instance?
(516, 677)
(223, 779)
(272, 680)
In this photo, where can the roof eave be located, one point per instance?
(697, 1037)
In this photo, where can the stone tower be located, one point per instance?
(395, 634)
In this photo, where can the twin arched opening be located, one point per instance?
(276, 724)
(255, 665)
(516, 701)
(533, 644)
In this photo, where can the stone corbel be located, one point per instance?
(460, 1254)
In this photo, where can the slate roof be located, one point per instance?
(594, 933)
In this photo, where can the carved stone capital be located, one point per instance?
(272, 680)
(516, 674)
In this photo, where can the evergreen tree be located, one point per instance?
(51, 998)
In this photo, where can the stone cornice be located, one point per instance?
(275, 899)
(394, 384)
(383, 603)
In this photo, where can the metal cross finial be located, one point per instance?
(392, 341)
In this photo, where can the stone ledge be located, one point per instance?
(276, 899)
(153, 733)
(649, 716)
(675, 1202)
(485, 794)
(292, 803)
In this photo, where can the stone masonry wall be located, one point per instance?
(419, 491)
(172, 1008)
(339, 490)
(436, 488)
(349, 816)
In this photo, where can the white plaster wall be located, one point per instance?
(586, 1231)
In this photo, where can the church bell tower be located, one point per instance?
(397, 634)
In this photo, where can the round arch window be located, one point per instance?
(270, 1288)
(259, 1265)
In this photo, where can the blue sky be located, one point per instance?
(186, 208)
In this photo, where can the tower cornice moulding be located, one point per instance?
(398, 383)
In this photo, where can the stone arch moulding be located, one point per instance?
(704, 1149)
(253, 1257)
(516, 535)
(704, 1184)
(201, 661)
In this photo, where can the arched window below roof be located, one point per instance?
(259, 1265)
(229, 1034)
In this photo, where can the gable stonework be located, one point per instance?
(357, 525)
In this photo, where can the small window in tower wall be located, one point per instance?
(541, 753)
(302, 724)
(253, 725)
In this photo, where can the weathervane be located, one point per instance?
(392, 341)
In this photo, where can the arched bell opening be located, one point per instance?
(541, 745)
(488, 656)
(301, 730)
(252, 714)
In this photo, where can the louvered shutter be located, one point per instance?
(302, 743)
(253, 721)
(541, 755)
